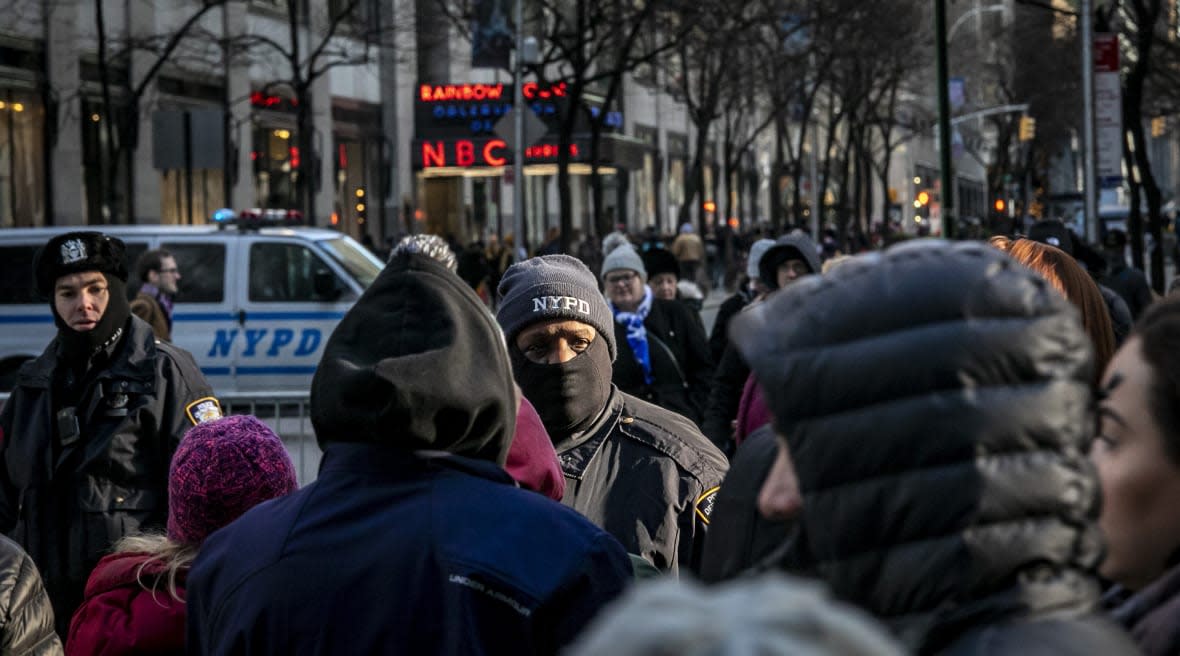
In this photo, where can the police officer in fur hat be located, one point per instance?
(92, 423)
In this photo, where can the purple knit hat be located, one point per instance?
(221, 469)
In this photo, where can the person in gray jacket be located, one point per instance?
(644, 474)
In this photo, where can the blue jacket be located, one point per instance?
(391, 551)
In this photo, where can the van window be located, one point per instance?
(202, 271)
(287, 273)
(16, 276)
(354, 258)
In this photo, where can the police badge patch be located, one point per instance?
(705, 502)
(73, 250)
(203, 410)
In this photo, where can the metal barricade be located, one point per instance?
(287, 413)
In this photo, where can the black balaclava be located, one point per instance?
(84, 344)
(568, 396)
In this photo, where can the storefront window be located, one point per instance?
(357, 196)
(22, 168)
(208, 195)
(276, 164)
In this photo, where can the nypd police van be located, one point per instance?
(255, 306)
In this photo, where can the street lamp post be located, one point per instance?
(947, 194)
(518, 131)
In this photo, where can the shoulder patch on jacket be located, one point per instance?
(705, 503)
(203, 410)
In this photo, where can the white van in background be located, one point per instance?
(255, 306)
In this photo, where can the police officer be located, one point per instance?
(92, 423)
(645, 474)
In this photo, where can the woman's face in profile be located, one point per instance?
(1140, 481)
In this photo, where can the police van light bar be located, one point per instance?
(257, 217)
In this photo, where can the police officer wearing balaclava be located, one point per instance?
(92, 422)
(645, 474)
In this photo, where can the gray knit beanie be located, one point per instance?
(624, 257)
(554, 287)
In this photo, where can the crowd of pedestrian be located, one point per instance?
(930, 448)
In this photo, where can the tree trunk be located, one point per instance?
(1146, 15)
(776, 172)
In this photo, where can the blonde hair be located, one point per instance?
(174, 556)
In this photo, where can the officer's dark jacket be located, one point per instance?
(682, 369)
(936, 401)
(66, 504)
(648, 477)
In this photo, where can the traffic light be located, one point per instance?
(1159, 125)
(999, 205)
(1028, 128)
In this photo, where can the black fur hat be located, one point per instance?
(74, 252)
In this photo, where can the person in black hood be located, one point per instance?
(935, 400)
(643, 473)
(92, 423)
(413, 539)
(792, 257)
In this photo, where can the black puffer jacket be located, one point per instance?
(67, 503)
(936, 402)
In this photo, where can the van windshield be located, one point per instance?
(362, 265)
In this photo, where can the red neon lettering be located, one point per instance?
(449, 92)
(464, 153)
(433, 154)
(489, 157)
(547, 151)
(532, 91)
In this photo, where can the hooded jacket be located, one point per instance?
(413, 539)
(796, 245)
(936, 402)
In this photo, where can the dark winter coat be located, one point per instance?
(719, 337)
(120, 616)
(680, 365)
(1152, 615)
(389, 552)
(1131, 285)
(648, 477)
(940, 444)
(725, 398)
(66, 504)
(412, 540)
(740, 538)
(26, 614)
